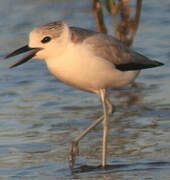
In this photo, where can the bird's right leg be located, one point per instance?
(111, 108)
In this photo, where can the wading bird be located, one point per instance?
(86, 60)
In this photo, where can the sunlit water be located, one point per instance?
(39, 116)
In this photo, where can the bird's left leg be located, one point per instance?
(74, 146)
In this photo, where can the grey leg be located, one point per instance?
(105, 127)
(111, 108)
(74, 146)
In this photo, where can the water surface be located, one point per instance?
(39, 116)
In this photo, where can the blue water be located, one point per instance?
(39, 116)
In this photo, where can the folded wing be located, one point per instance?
(113, 50)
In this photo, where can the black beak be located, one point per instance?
(25, 58)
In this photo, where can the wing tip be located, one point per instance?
(139, 66)
(157, 63)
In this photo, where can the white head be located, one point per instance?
(52, 38)
(47, 41)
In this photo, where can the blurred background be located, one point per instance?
(39, 116)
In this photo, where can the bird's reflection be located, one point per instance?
(122, 166)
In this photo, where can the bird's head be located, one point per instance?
(45, 42)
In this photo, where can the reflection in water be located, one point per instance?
(123, 166)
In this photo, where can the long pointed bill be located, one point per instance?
(25, 58)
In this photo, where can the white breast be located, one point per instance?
(79, 68)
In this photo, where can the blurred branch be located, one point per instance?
(113, 8)
(126, 29)
(137, 18)
(98, 14)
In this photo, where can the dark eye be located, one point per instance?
(46, 39)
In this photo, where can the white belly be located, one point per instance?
(79, 68)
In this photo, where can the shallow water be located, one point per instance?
(39, 116)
